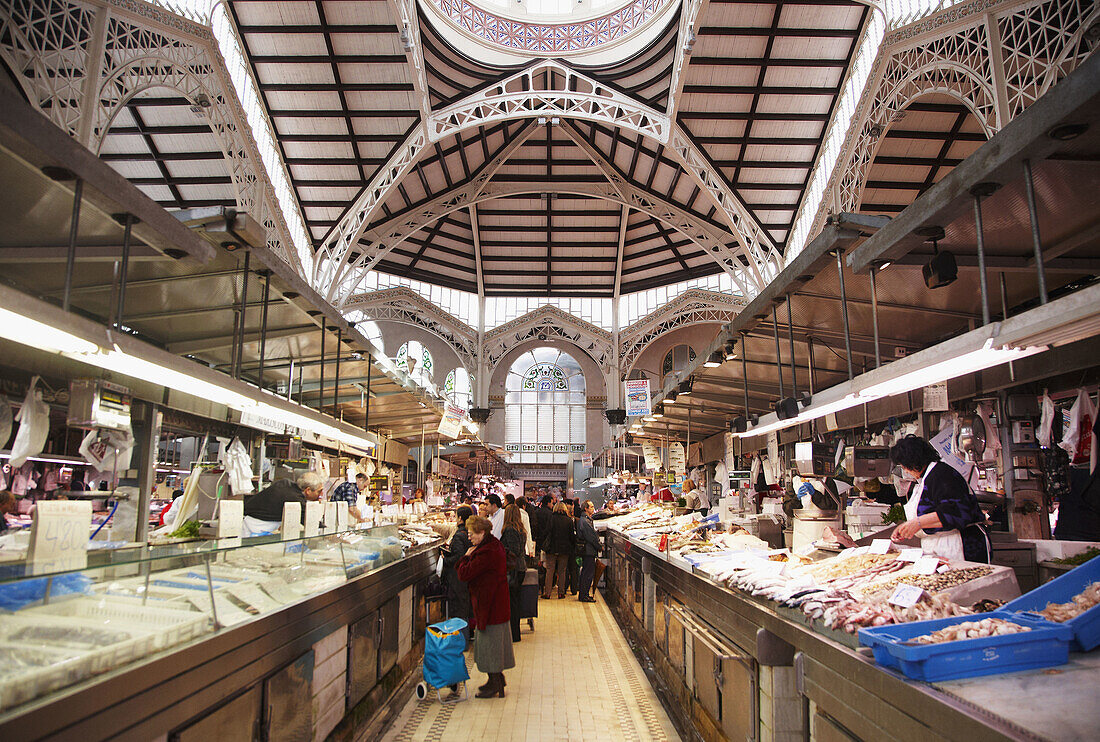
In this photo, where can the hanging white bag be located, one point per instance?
(34, 426)
(108, 450)
(1046, 422)
(238, 466)
(1077, 440)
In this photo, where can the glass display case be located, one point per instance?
(59, 629)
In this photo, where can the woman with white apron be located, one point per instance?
(941, 511)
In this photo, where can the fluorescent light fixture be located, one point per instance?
(27, 331)
(120, 362)
(715, 359)
(976, 360)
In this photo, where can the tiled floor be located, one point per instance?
(575, 678)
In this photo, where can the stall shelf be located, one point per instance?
(806, 682)
(165, 635)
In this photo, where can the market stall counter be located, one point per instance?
(776, 666)
(300, 633)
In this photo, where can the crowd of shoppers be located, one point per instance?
(486, 562)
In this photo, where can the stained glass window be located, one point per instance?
(458, 388)
(676, 360)
(544, 407)
(416, 361)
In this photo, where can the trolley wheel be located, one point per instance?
(421, 691)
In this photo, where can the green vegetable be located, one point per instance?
(896, 514)
(190, 529)
(1081, 558)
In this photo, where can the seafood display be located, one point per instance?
(1083, 601)
(932, 583)
(985, 628)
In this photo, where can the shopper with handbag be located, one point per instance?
(588, 546)
(514, 539)
(560, 545)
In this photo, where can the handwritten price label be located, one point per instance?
(59, 536)
(880, 546)
(906, 596)
(910, 555)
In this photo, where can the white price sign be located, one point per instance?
(59, 536)
(292, 520)
(230, 518)
(906, 596)
(880, 546)
(910, 555)
(314, 511)
(927, 565)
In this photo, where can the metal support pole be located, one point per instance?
(290, 381)
(74, 229)
(778, 356)
(124, 268)
(336, 381)
(1036, 243)
(874, 316)
(234, 352)
(321, 381)
(244, 305)
(844, 312)
(979, 230)
(790, 337)
(745, 370)
(1004, 316)
(263, 326)
(366, 417)
(810, 361)
(301, 394)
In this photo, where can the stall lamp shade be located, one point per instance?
(715, 360)
(685, 387)
(658, 410)
(977, 360)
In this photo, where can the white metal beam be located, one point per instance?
(691, 16)
(623, 220)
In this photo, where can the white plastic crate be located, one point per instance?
(17, 686)
(168, 626)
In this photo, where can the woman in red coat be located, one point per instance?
(485, 569)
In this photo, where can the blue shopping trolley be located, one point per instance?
(444, 658)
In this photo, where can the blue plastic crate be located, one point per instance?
(1046, 645)
(1086, 627)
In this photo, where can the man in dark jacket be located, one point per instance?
(263, 512)
(560, 547)
(588, 546)
(457, 591)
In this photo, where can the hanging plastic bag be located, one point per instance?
(1046, 422)
(238, 467)
(108, 450)
(1077, 440)
(5, 420)
(34, 426)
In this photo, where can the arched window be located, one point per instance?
(415, 360)
(544, 407)
(368, 327)
(458, 389)
(676, 360)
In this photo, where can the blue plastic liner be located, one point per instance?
(1046, 645)
(444, 661)
(16, 595)
(1086, 627)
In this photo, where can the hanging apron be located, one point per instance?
(946, 544)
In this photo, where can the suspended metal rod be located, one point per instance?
(778, 356)
(874, 316)
(263, 326)
(790, 337)
(745, 371)
(321, 387)
(1036, 242)
(74, 229)
(366, 418)
(124, 268)
(1004, 316)
(979, 192)
(810, 361)
(289, 380)
(844, 311)
(244, 305)
(336, 385)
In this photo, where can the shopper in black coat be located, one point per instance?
(588, 546)
(457, 591)
(540, 523)
(560, 545)
(514, 539)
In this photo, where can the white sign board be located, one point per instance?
(450, 424)
(59, 536)
(935, 398)
(880, 546)
(586, 461)
(637, 397)
(230, 518)
(250, 419)
(341, 516)
(677, 460)
(330, 516)
(314, 510)
(652, 456)
(292, 520)
(906, 596)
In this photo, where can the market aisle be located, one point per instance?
(575, 678)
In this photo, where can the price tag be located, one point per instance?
(342, 516)
(314, 511)
(926, 565)
(880, 546)
(292, 520)
(906, 596)
(230, 518)
(330, 516)
(59, 536)
(910, 555)
(771, 567)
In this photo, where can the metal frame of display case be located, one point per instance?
(175, 689)
(847, 687)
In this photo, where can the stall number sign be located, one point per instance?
(544, 447)
(59, 536)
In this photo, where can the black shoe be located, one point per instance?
(586, 600)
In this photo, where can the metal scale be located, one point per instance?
(822, 506)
